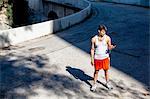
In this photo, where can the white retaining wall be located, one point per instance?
(20, 34)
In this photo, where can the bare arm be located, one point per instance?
(92, 51)
(110, 46)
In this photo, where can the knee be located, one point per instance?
(106, 71)
(96, 72)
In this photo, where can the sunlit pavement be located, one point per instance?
(58, 66)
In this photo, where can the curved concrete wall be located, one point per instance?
(36, 5)
(20, 34)
(61, 10)
(76, 3)
(145, 3)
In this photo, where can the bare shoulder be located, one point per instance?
(93, 39)
(108, 37)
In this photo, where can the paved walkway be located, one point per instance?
(58, 66)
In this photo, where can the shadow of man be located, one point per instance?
(79, 74)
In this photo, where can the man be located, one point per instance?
(100, 59)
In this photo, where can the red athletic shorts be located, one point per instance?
(102, 64)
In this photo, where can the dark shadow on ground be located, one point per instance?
(20, 74)
(129, 56)
(81, 75)
(120, 86)
(4, 40)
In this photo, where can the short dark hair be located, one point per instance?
(102, 27)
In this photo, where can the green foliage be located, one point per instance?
(9, 14)
(17, 12)
(1, 2)
(7, 4)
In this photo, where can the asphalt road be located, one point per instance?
(58, 66)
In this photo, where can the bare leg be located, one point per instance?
(106, 75)
(107, 80)
(106, 72)
(95, 76)
(93, 88)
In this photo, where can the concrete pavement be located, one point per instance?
(58, 66)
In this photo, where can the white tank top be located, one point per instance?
(101, 48)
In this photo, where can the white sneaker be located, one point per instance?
(94, 87)
(108, 85)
